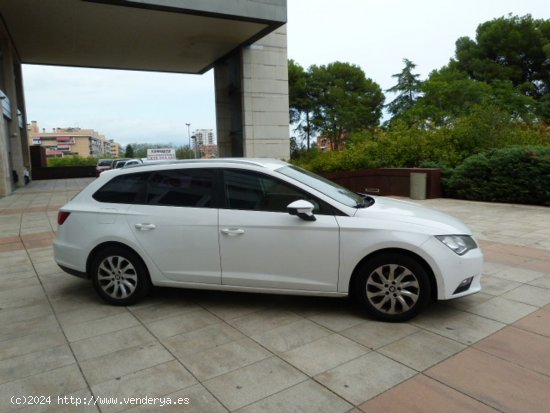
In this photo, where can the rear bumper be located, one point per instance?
(76, 273)
(69, 257)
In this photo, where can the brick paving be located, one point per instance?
(254, 353)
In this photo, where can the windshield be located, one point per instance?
(323, 185)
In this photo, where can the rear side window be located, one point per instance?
(123, 189)
(181, 188)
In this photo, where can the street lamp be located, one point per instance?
(189, 134)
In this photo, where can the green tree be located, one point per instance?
(506, 68)
(514, 49)
(129, 153)
(300, 101)
(344, 100)
(184, 152)
(447, 94)
(407, 90)
(450, 93)
(494, 94)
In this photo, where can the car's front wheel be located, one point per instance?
(119, 276)
(392, 287)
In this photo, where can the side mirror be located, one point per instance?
(302, 209)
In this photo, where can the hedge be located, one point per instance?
(518, 174)
(72, 161)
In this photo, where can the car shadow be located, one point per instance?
(301, 305)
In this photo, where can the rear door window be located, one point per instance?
(181, 187)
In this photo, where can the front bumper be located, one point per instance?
(450, 269)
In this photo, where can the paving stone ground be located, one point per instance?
(218, 352)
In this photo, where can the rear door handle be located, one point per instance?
(232, 232)
(145, 227)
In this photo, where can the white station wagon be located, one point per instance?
(261, 225)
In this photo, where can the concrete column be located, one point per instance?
(5, 162)
(6, 167)
(227, 78)
(23, 135)
(252, 100)
(13, 124)
(265, 97)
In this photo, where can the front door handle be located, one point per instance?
(145, 227)
(232, 232)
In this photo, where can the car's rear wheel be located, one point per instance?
(392, 287)
(119, 276)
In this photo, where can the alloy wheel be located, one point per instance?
(117, 277)
(392, 289)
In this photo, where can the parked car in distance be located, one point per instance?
(103, 165)
(135, 161)
(119, 163)
(261, 225)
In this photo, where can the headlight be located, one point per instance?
(460, 244)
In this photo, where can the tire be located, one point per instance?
(119, 276)
(392, 287)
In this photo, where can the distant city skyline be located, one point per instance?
(139, 107)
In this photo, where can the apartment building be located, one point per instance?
(204, 136)
(205, 147)
(72, 141)
(112, 149)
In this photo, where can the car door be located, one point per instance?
(263, 246)
(176, 224)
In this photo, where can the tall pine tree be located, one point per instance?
(407, 90)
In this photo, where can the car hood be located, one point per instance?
(421, 218)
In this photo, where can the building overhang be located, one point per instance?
(184, 36)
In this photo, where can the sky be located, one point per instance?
(376, 35)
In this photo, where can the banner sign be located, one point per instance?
(161, 154)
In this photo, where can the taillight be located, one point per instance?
(62, 217)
